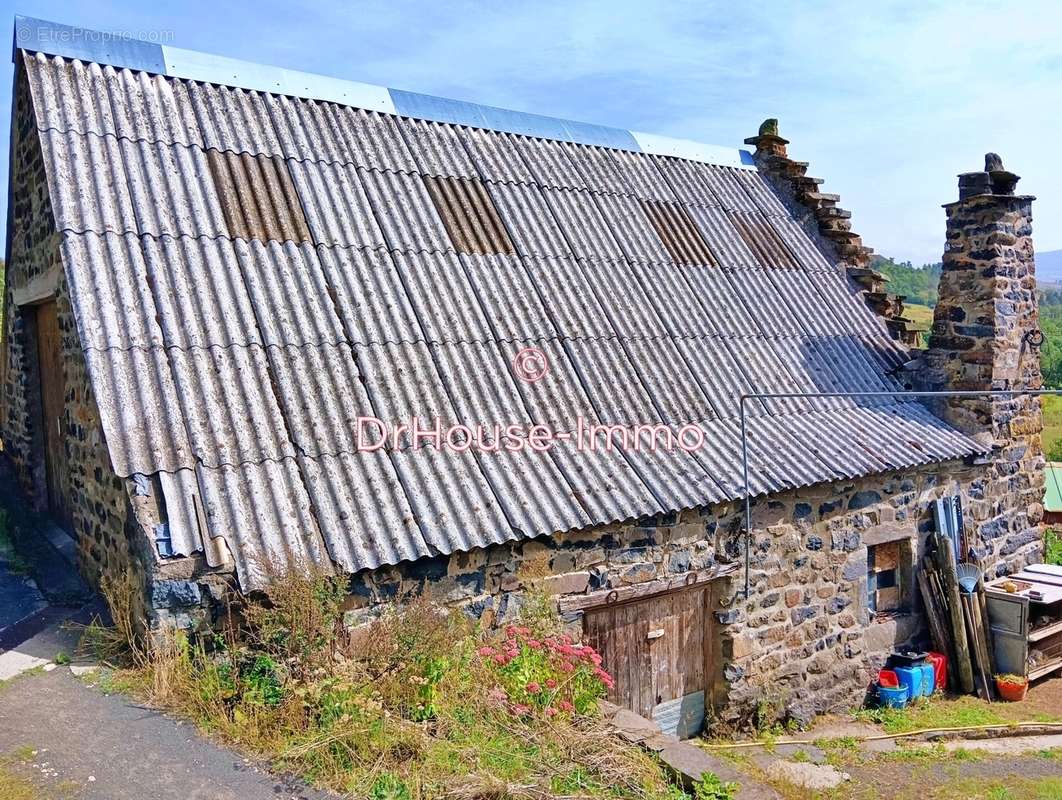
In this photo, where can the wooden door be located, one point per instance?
(53, 395)
(656, 649)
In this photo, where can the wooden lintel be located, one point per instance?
(605, 597)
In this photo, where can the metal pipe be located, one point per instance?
(817, 395)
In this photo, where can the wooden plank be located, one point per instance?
(945, 561)
(53, 401)
(970, 616)
(622, 594)
(937, 627)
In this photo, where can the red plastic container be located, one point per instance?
(940, 670)
(888, 678)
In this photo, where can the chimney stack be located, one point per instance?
(986, 336)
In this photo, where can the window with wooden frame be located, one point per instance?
(889, 577)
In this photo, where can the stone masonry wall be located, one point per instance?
(803, 643)
(97, 498)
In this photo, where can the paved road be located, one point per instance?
(111, 749)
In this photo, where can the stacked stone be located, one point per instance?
(834, 225)
(985, 337)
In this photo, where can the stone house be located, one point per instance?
(219, 273)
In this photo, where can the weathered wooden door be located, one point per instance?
(657, 651)
(53, 393)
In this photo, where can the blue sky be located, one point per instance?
(888, 101)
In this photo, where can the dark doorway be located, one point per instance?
(53, 395)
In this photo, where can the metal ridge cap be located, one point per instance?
(124, 51)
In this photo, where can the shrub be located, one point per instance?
(712, 787)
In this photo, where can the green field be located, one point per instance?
(921, 316)
(1053, 427)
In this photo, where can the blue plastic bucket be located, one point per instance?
(929, 679)
(893, 697)
(911, 679)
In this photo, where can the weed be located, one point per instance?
(1052, 547)
(800, 756)
(61, 658)
(933, 713)
(711, 787)
(12, 787)
(417, 704)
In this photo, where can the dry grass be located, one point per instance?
(398, 710)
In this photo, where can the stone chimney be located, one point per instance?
(986, 336)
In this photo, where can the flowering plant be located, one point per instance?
(550, 675)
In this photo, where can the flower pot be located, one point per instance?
(1012, 692)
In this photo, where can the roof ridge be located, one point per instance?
(123, 51)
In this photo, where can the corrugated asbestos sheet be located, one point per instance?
(252, 274)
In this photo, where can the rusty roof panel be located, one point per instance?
(405, 212)
(336, 206)
(290, 293)
(642, 176)
(227, 398)
(529, 220)
(264, 514)
(802, 244)
(199, 292)
(495, 155)
(257, 197)
(508, 297)
(78, 97)
(631, 227)
(113, 306)
(438, 149)
(137, 399)
(319, 390)
(369, 296)
(725, 243)
(583, 224)
(362, 510)
(764, 242)
(469, 215)
(678, 233)
(453, 503)
(569, 298)
(442, 298)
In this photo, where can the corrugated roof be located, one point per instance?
(233, 359)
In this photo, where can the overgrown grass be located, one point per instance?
(965, 711)
(1052, 547)
(419, 704)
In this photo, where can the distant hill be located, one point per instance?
(1049, 266)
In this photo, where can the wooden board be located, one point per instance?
(53, 398)
(655, 649)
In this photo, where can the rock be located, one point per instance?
(81, 670)
(815, 777)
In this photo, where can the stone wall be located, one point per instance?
(97, 498)
(805, 641)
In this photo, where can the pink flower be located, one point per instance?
(564, 705)
(551, 712)
(534, 687)
(534, 644)
(550, 683)
(520, 710)
(498, 694)
(567, 666)
(486, 651)
(510, 631)
(501, 658)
